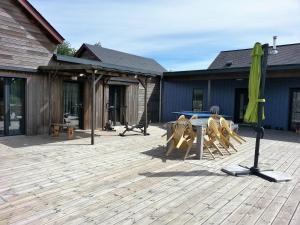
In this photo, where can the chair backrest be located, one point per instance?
(194, 117)
(215, 109)
(224, 124)
(181, 127)
(213, 126)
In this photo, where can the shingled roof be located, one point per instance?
(287, 55)
(114, 57)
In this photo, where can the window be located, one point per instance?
(197, 99)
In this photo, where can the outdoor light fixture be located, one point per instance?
(81, 75)
(135, 76)
(73, 77)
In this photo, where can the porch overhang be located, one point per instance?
(96, 73)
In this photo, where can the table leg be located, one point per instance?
(169, 133)
(199, 148)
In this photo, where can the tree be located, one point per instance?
(98, 44)
(66, 49)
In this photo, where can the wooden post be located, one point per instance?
(103, 103)
(49, 101)
(93, 110)
(145, 107)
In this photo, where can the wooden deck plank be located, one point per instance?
(129, 181)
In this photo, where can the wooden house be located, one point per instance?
(38, 87)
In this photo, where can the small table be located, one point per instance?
(198, 125)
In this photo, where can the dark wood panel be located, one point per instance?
(22, 42)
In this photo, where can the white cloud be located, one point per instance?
(193, 65)
(154, 26)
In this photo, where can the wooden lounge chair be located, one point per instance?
(183, 136)
(225, 130)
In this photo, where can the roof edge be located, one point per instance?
(270, 46)
(41, 20)
(18, 69)
(228, 70)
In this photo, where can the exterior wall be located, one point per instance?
(153, 92)
(177, 96)
(22, 42)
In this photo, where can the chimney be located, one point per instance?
(274, 50)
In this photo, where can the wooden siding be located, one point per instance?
(152, 100)
(22, 42)
(177, 96)
(132, 103)
(87, 55)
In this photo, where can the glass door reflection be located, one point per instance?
(16, 106)
(12, 106)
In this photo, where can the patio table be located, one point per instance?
(199, 125)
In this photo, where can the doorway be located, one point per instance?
(116, 104)
(12, 106)
(240, 105)
(73, 107)
(294, 120)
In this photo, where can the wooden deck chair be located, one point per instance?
(226, 129)
(215, 133)
(183, 136)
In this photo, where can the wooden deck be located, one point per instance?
(126, 180)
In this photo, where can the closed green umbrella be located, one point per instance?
(251, 115)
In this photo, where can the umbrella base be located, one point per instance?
(236, 170)
(272, 176)
(269, 175)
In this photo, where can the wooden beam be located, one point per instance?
(145, 107)
(50, 101)
(142, 82)
(98, 78)
(93, 110)
(103, 103)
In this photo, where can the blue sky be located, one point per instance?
(179, 34)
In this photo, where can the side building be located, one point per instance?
(37, 90)
(225, 84)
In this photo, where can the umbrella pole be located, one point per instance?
(259, 129)
(269, 175)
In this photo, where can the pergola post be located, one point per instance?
(103, 103)
(49, 101)
(145, 107)
(93, 109)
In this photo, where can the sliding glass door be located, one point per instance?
(12, 106)
(73, 106)
(2, 112)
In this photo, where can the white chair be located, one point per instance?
(215, 109)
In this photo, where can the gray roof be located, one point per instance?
(287, 54)
(107, 66)
(110, 56)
